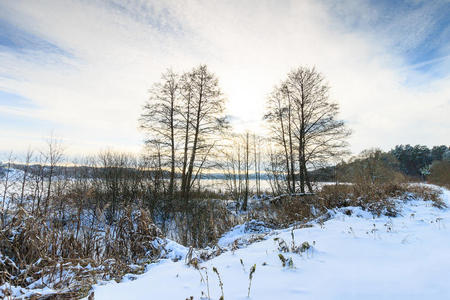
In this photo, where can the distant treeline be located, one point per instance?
(414, 162)
(91, 172)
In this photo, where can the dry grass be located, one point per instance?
(426, 193)
(202, 222)
(377, 198)
(37, 254)
(78, 230)
(287, 210)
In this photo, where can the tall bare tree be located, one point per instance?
(183, 120)
(203, 113)
(159, 121)
(278, 115)
(300, 109)
(257, 140)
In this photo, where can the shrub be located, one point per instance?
(379, 199)
(36, 250)
(371, 167)
(287, 210)
(440, 173)
(426, 193)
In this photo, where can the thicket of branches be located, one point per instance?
(241, 160)
(108, 212)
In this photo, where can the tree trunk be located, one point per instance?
(194, 146)
(186, 146)
(172, 146)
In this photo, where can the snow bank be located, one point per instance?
(355, 256)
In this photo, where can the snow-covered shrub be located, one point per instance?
(287, 210)
(37, 252)
(379, 199)
(203, 221)
(131, 239)
(426, 193)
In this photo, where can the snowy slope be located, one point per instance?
(354, 257)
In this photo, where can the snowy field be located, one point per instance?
(351, 257)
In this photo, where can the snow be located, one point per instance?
(174, 251)
(352, 257)
(23, 292)
(242, 232)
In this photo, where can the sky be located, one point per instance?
(81, 70)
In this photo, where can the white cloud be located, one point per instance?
(117, 53)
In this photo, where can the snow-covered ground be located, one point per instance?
(352, 257)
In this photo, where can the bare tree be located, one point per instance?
(159, 121)
(247, 169)
(184, 119)
(277, 117)
(231, 166)
(257, 163)
(202, 110)
(53, 156)
(239, 158)
(26, 170)
(276, 172)
(7, 183)
(300, 109)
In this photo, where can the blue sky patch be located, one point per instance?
(416, 30)
(155, 18)
(18, 122)
(14, 100)
(17, 40)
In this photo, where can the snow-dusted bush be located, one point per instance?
(379, 199)
(37, 252)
